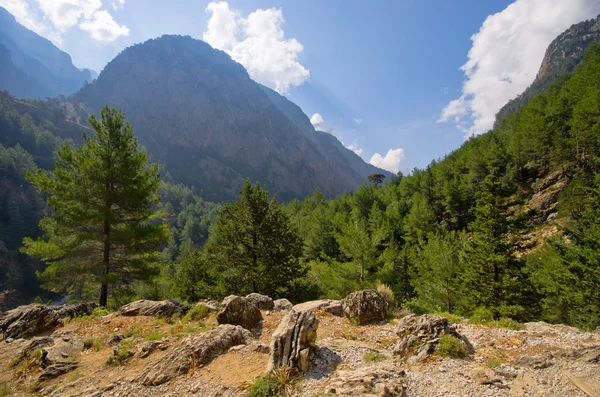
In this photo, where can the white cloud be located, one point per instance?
(257, 42)
(393, 160)
(506, 55)
(52, 18)
(358, 121)
(117, 4)
(320, 124)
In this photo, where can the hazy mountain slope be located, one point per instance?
(47, 70)
(326, 143)
(198, 111)
(562, 55)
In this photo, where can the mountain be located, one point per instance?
(562, 56)
(198, 112)
(326, 143)
(32, 66)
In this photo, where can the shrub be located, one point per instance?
(4, 389)
(374, 356)
(387, 293)
(482, 315)
(121, 354)
(279, 382)
(96, 343)
(449, 346)
(196, 313)
(508, 323)
(453, 318)
(493, 362)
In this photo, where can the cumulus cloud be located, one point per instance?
(52, 18)
(506, 55)
(257, 42)
(117, 4)
(393, 161)
(320, 124)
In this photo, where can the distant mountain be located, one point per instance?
(31, 66)
(562, 56)
(326, 143)
(198, 112)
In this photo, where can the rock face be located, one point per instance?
(153, 308)
(263, 302)
(63, 347)
(76, 310)
(238, 310)
(328, 305)
(280, 305)
(419, 335)
(198, 349)
(365, 307)
(28, 320)
(368, 382)
(57, 369)
(293, 341)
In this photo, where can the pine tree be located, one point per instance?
(193, 280)
(255, 246)
(101, 229)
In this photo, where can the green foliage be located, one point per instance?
(195, 278)
(101, 231)
(388, 294)
(196, 313)
(450, 346)
(481, 315)
(509, 323)
(255, 247)
(278, 383)
(374, 356)
(122, 354)
(96, 343)
(493, 362)
(453, 318)
(4, 389)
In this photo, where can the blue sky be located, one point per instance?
(384, 76)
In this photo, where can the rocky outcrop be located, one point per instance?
(144, 307)
(365, 307)
(62, 348)
(328, 305)
(371, 382)
(263, 302)
(28, 320)
(238, 310)
(195, 350)
(280, 305)
(57, 369)
(293, 341)
(420, 335)
(75, 310)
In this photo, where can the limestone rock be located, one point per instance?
(197, 349)
(371, 382)
(57, 369)
(28, 320)
(153, 308)
(280, 305)
(263, 302)
(331, 306)
(365, 307)
(419, 335)
(237, 310)
(293, 340)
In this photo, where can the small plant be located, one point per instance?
(153, 335)
(4, 389)
(196, 313)
(374, 356)
(279, 382)
(122, 353)
(133, 332)
(449, 346)
(493, 362)
(33, 387)
(508, 323)
(97, 312)
(453, 318)
(96, 343)
(386, 292)
(482, 315)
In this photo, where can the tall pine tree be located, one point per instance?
(100, 231)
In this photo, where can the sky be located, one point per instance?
(400, 82)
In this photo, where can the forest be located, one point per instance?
(454, 237)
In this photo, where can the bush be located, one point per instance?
(482, 315)
(387, 293)
(279, 382)
(508, 323)
(493, 362)
(374, 356)
(196, 313)
(453, 318)
(449, 346)
(121, 354)
(95, 343)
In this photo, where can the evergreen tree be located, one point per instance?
(101, 194)
(255, 246)
(194, 280)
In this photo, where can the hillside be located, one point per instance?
(199, 113)
(562, 56)
(33, 67)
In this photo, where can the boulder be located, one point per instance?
(144, 307)
(36, 343)
(263, 302)
(150, 347)
(195, 350)
(62, 348)
(280, 305)
(328, 305)
(28, 320)
(57, 369)
(369, 381)
(419, 335)
(237, 310)
(75, 310)
(365, 307)
(293, 341)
